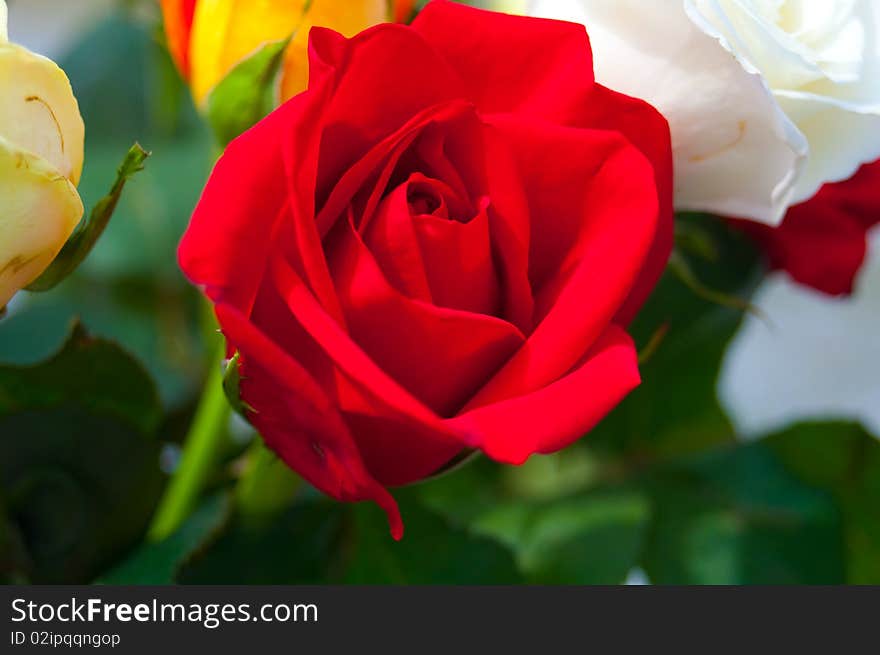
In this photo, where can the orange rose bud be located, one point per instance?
(403, 9)
(178, 15)
(208, 38)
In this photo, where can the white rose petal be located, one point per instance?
(767, 99)
(817, 359)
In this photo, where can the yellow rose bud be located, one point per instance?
(41, 158)
(209, 37)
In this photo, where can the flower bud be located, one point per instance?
(208, 38)
(41, 158)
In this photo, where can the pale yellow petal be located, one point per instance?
(38, 111)
(39, 208)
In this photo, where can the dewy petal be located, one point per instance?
(38, 111)
(736, 153)
(39, 208)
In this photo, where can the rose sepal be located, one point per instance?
(89, 230)
(248, 93)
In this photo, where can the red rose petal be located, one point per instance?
(647, 130)
(375, 91)
(545, 211)
(440, 355)
(554, 416)
(299, 421)
(510, 63)
(433, 258)
(587, 265)
(822, 242)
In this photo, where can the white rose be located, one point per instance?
(813, 358)
(767, 99)
(41, 157)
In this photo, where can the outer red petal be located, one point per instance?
(510, 63)
(647, 130)
(381, 79)
(242, 203)
(299, 421)
(598, 254)
(544, 68)
(552, 417)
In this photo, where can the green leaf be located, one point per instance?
(593, 538)
(432, 551)
(87, 233)
(93, 374)
(843, 459)
(247, 94)
(738, 516)
(558, 533)
(79, 473)
(317, 540)
(14, 558)
(79, 490)
(299, 546)
(160, 562)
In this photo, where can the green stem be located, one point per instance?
(201, 450)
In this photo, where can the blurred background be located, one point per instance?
(774, 480)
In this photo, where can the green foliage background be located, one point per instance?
(99, 381)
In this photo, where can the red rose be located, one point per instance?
(435, 248)
(822, 242)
